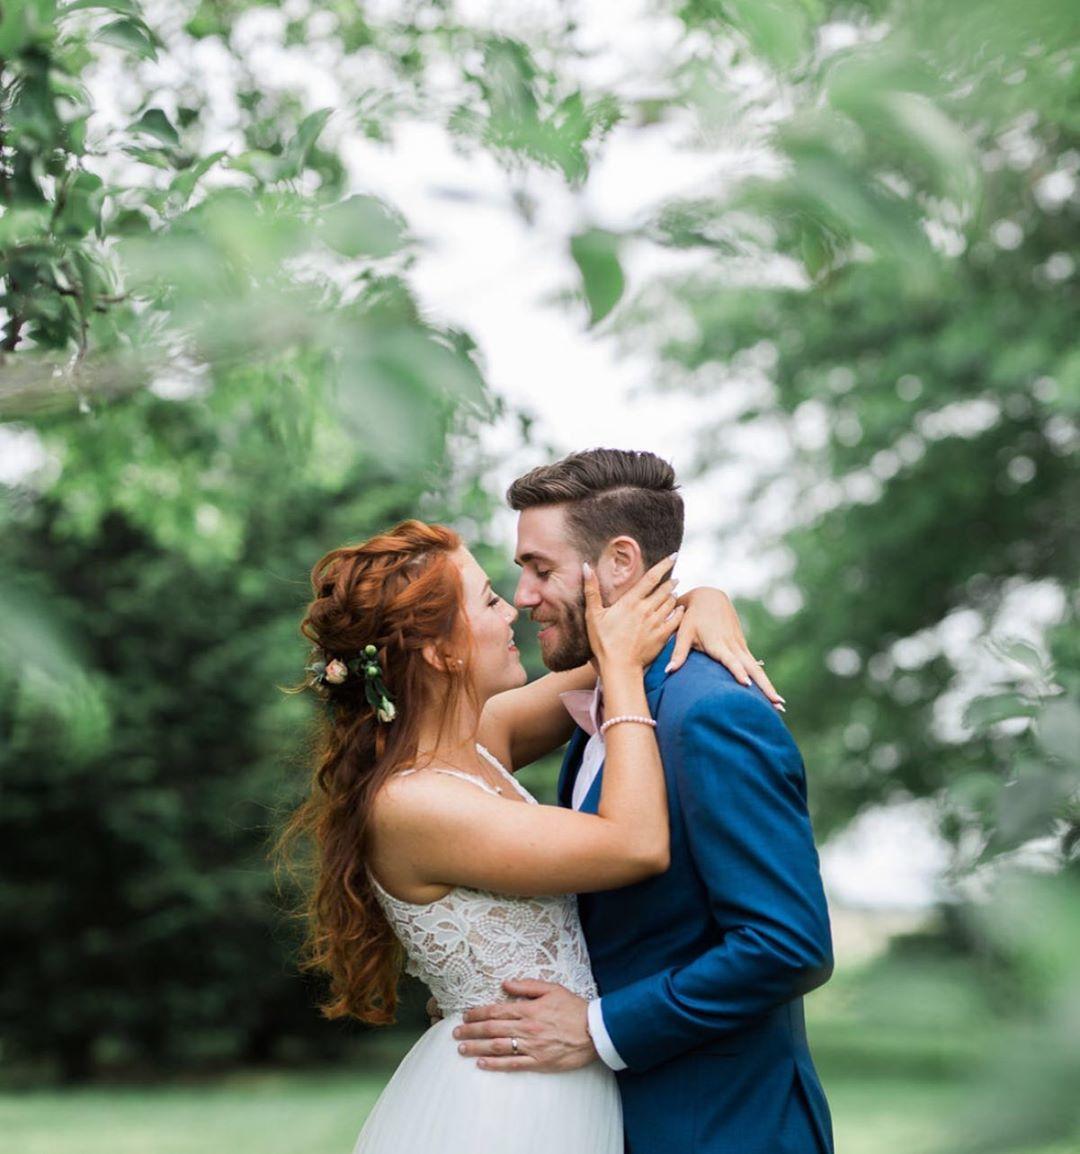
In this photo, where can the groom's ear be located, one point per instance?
(620, 564)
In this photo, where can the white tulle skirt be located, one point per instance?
(438, 1102)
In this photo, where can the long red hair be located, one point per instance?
(398, 591)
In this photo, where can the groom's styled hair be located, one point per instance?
(609, 493)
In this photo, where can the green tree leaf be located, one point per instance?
(596, 254)
(155, 123)
(295, 156)
(82, 202)
(363, 226)
(132, 35)
(24, 23)
(1058, 732)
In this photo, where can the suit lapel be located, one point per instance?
(571, 764)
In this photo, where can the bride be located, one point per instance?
(428, 851)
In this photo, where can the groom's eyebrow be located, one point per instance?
(540, 558)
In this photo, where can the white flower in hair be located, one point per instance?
(336, 672)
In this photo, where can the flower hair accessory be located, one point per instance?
(334, 671)
(374, 689)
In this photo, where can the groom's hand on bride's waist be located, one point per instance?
(545, 1030)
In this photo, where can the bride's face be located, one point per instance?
(496, 663)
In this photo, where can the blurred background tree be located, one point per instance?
(922, 368)
(913, 339)
(223, 380)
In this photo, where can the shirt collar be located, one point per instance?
(585, 706)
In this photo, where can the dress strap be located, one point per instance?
(491, 759)
(468, 777)
(474, 779)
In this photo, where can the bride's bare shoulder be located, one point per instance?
(420, 799)
(404, 789)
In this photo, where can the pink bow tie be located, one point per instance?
(585, 706)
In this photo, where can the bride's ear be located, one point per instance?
(442, 662)
(434, 658)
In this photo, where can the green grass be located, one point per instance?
(321, 1113)
(262, 1113)
(879, 1107)
(900, 1044)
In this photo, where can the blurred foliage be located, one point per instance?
(135, 255)
(207, 220)
(144, 766)
(898, 299)
(910, 328)
(1028, 1092)
(210, 335)
(219, 362)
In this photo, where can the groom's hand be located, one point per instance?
(550, 1025)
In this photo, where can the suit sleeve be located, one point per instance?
(742, 788)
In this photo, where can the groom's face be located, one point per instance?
(550, 588)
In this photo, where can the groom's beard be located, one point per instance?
(572, 648)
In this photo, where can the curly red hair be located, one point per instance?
(398, 591)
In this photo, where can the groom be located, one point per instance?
(702, 969)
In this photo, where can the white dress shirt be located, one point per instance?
(591, 760)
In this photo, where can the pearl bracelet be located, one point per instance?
(626, 717)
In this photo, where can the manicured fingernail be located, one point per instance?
(748, 682)
(586, 568)
(674, 556)
(668, 668)
(461, 1048)
(782, 700)
(781, 709)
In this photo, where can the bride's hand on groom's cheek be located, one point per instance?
(549, 1024)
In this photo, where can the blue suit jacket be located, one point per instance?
(702, 969)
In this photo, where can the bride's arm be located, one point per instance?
(443, 831)
(531, 722)
(712, 625)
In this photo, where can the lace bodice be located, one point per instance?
(465, 945)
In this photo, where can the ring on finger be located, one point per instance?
(761, 661)
(514, 1046)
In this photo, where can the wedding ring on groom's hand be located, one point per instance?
(514, 1046)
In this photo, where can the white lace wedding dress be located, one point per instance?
(462, 947)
